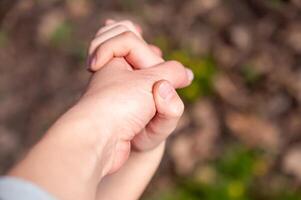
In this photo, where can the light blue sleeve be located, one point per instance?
(17, 189)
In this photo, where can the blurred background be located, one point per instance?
(240, 137)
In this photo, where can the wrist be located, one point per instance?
(83, 141)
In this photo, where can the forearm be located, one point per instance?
(131, 180)
(64, 162)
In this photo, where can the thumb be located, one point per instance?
(169, 110)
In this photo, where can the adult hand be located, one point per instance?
(123, 39)
(121, 108)
(135, 107)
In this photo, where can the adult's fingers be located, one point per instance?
(169, 109)
(172, 71)
(135, 50)
(156, 50)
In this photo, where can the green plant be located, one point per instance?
(237, 172)
(204, 70)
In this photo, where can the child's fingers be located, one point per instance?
(169, 110)
(135, 50)
(138, 27)
(116, 30)
(109, 21)
(172, 71)
(130, 25)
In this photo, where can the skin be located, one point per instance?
(141, 164)
(117, 130)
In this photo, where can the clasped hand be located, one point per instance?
(129, 105)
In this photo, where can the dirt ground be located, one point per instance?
(246, 97)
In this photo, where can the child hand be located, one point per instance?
(121, 107)
(135, 107)
(117, 40)
(122, 39)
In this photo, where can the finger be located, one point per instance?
(109, 21)
(139, 29)
(169, 110)
(172, 71)
(127, 23)
(156, 50)
(135, 50)
(116, 30)
(100, 39)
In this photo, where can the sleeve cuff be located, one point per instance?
(16, 189)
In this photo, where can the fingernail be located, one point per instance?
(190, 74)
(166, 91)
(94, 61)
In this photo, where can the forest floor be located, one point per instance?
(240, 137)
